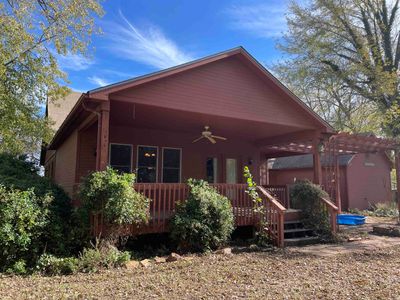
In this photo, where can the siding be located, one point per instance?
(368, 184)
(194, 156)
(87, 151)
(360, 185)
(65, 166)
(227, 88)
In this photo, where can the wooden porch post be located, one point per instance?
(337, 184)
(317, 162)
(397, 166)
(103, 123)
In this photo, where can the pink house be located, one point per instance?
(148, 125)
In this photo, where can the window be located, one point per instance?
(212, 169)
(231, 170)
(121, 157)
(171, 171)
(147, 158)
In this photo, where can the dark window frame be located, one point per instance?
(180, 163)
(131, 156)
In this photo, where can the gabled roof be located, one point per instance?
(104, 92)
(304, 161)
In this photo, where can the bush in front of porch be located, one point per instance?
(112, 195)
(305, 196)
(204, 221)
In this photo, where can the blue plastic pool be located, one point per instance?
(344, 219)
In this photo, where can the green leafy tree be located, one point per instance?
(336, 103)
(33, 34)
(354, 44)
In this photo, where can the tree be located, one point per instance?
(350, 47)
(344, 109)
(33, 34)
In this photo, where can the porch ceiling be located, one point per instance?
(152, 117)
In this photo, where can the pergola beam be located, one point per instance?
(285, 139)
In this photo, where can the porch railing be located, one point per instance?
(274, 217)
(280, 192)
(164, 197)
(332, 211)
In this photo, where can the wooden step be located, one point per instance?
(297, 233)
(303, 241)
(293, 225)
(293, 222)
(297, 230)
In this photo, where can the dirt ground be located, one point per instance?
(288, 274)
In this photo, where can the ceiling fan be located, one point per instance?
(207, 134)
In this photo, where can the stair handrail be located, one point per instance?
(276, 226)
(333, 212)
(270, 197)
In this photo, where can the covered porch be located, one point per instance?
(157, 145)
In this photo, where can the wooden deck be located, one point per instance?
(164, 197)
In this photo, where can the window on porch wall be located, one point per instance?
(121, 157)
(171, 169)
(147, 159)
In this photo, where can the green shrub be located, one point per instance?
(51, 265)
(306, 196)
(205, 220)
(385, 209)
(23, 219)
(90, 260)
(382, 209)
(102, 256)
(18, 268)
(17, 173)
(113, 195)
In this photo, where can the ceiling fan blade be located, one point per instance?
(219, 137)
(198, 139)
(211, 139)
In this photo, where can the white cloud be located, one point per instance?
(98, 81)
(149, 46)
(75, 62)
(266, 20)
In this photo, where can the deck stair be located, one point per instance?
(297, 235)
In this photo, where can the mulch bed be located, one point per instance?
(268, 275)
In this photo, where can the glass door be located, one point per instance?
(231, 170)
(147, 159)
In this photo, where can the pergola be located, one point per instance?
(334, 145)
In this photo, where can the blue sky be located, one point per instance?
(140, 37)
